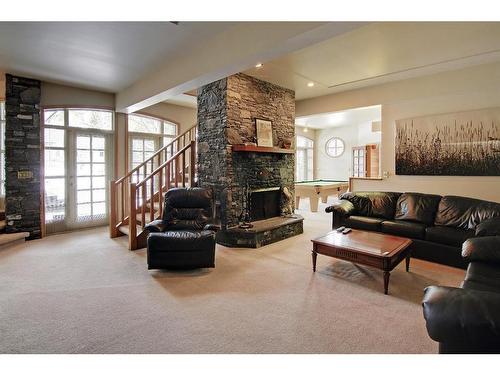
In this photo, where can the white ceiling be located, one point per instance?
(108, 56)
(349, 117)
(383, 52)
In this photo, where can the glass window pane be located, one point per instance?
(143, 124)
(83, 142)
(83, 169)
(99, 195)
(167, 140)
(98, 156)
(98, 183)
(54, 199)
(54, 117)
(83, 183)
(169, 128)
(54, 163)
(54, 137)
(99, 208)
(90, 119)
(98, 170)
(82, 156)
(83, 196)
(84, 210)
(137, 144)
(149, 145)
(98, 143)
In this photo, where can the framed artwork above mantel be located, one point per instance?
(264, 130)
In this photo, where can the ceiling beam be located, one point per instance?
(230, 52)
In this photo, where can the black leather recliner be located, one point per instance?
(438, 225)
(467, 319)
(185, 237)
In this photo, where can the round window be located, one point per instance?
(335, 147)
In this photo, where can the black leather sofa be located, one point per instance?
(467, 319)
(185, 236)
(438, 225)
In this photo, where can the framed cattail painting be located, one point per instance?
(453, 144)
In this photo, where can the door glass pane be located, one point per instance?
(54, 163)
(98, 169)
(99, 208)
(54, 137)
(82, 156)
(83, 196)
(83, 183)
(98, 156)
(84, 210)
(55, 194)
(98, 183)
(98, 143)
(83, 169)
(91, 119)
(83, 142)
(99, 195)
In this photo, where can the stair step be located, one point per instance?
(125, 229)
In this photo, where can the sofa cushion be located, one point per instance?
(489, 227)
(374, 204)
(363, 222)
(417, 207)
(448, 236)
(464, 213)
(482, 276)
(403, 228)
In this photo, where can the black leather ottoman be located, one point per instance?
(181, 249)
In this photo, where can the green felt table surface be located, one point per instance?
(320, 182)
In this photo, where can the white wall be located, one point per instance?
(466, 89)
(353, 135)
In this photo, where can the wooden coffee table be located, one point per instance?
(379, 250)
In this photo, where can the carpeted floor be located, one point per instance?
(83, 292)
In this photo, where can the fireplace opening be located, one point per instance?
(264, 203)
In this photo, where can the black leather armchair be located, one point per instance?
(467, 319)
(185, 236)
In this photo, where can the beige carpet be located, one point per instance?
(85, 293)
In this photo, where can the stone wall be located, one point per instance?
(227, 110)
(22, 156)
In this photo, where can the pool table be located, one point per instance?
(316, 189)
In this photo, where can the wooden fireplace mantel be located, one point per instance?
(251, 148)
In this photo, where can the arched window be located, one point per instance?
(304, 164)
(335, 147)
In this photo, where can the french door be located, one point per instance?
(76, 195)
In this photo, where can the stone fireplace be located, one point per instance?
(252, 181)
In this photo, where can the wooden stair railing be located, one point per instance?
(141, 190)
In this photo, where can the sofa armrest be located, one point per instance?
(483, 249)
(489, 227)
(455, 315)
(340, 211)
(156, 226)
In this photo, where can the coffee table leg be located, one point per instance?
(386, 281)
(408, 263)
(314, 256)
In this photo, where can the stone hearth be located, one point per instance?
(227, 110)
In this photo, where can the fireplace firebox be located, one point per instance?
(264, 203)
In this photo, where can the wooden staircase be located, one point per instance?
(136, 199)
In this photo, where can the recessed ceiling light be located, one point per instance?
(259, 65)
(310, 84)
(305, 130)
